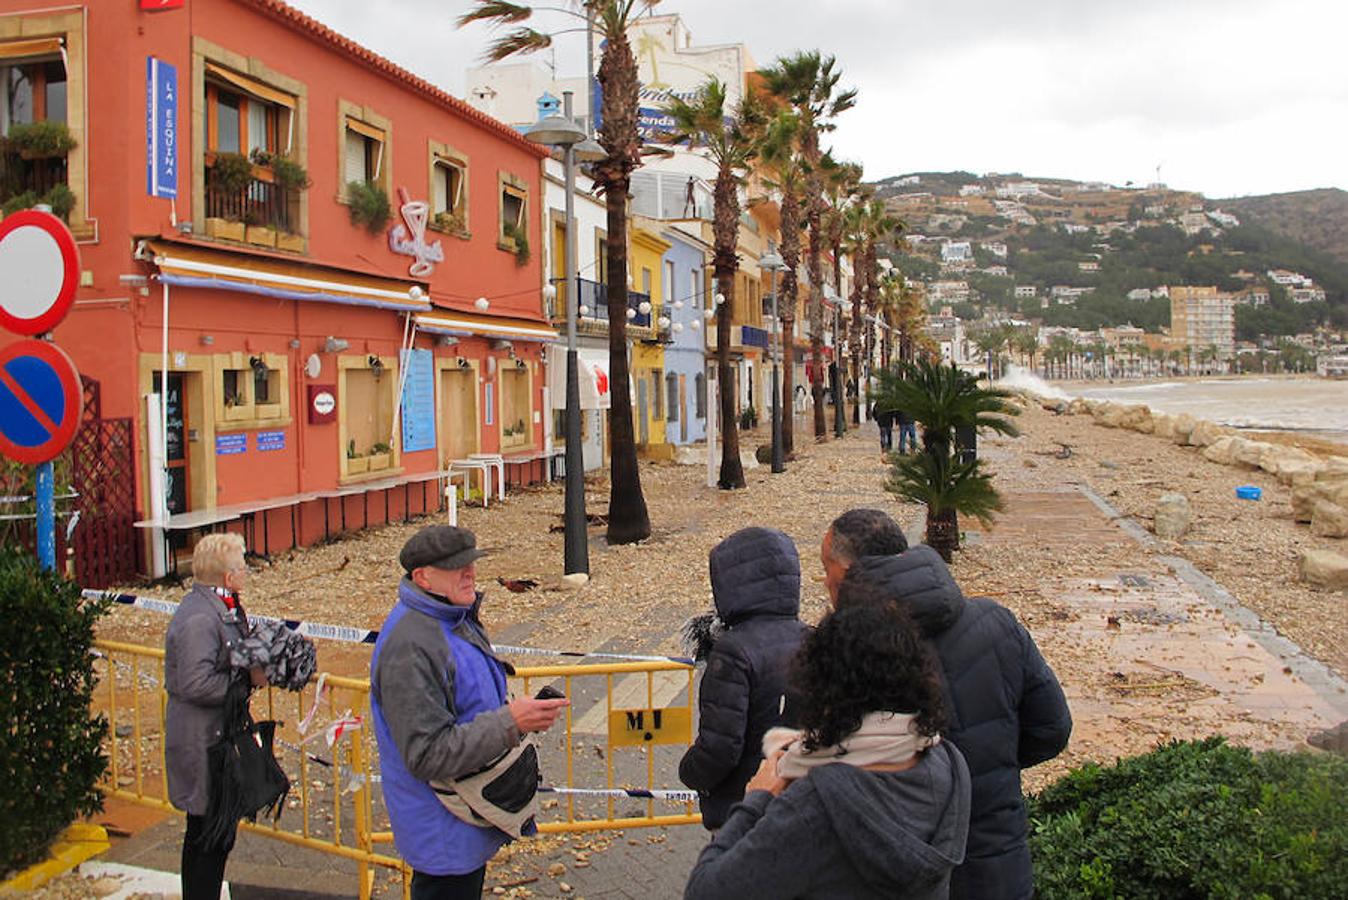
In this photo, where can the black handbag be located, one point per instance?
(245, 777)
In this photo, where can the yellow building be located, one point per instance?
(646, 251)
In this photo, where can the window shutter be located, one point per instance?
(355, 158)
(440, 190)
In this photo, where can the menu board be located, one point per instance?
(418, 400)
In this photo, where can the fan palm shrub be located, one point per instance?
(942, 399)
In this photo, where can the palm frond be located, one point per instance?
(521, 40)
(941, 482)
(498, 12)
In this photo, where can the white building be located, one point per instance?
(1224, 219)
(1139, 294)
(999, 271)
(1287, 279)
(1090, 265)
(948, 292)
(1193, 222)
(956, 251)
(1026, 291)
(970, 190)
(1306, 294)
(996, 248)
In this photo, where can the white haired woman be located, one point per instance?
(197, 675)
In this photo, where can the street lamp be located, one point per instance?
(562, 131)
(773, 263)
(839, 422)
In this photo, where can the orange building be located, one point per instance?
(291, 332)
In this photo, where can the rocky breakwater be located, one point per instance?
(1319, 483)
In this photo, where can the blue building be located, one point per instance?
(685, 299)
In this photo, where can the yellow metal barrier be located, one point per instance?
(629, 728)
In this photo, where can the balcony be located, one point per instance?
(33, 167)
(594, 294)
(259, 209)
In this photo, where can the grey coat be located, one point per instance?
(196, 675)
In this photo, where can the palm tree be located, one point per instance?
(943, 399)
(1026, 342)
(842, 188)
(628, 519)
(873, 224)
(780, 165)
(729, 138)
(807, 82)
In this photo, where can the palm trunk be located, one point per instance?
(628, 519)
(854, 335)
(814, 214)
(943, 533)
(725, 227)
(787, 310)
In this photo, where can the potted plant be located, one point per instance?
(355, 463)
(381, 454)
(231, 173)
(517, 242)
(368, 205)
(450, 223)
(41, 140)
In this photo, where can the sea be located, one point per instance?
(1315, 407)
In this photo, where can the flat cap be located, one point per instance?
(441, 546)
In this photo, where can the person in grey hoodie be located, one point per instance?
(865, 801)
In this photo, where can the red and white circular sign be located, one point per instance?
(39, 271)
(324, 403)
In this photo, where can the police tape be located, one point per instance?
(350, 635)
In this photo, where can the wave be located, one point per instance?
(1017, 378)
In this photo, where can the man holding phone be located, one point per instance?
(441, 711)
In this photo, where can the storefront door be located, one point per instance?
(458, 413)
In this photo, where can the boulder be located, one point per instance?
(1137, 418)
(1220, 451)
(1297, 473)
(1108, 414)
(1206, 433)
(1328, 519)
(1249, 453)
(1163, 426)
(1173, 517)
(1079, 407)
(1336, 468)
(1277, 456)
(1324, 568)
(1184, 425)
(1304, 498)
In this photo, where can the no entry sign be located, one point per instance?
(39, 401)
(39, 271)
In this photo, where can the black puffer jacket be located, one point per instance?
(755, 580)
(1005, 707)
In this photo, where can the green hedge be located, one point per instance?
(51, 752)
(1195, 819)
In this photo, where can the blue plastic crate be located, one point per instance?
(1248, 492)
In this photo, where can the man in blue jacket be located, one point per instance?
(441, 711)
(1005, 708)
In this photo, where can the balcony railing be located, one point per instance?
(261, 202)
(30, 176)
(594, 295)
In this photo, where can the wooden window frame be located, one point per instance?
(345, 365)
(246, 412)
(444, 156)
(508, 183)
(372, 126)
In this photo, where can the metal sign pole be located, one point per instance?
(46, 517)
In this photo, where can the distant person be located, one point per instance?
(866, 800)
(197, 677)
(441, 714)
(907, 431)
(1006, 710)
(755, 583)
(884, 418)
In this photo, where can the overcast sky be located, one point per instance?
(1229, 97)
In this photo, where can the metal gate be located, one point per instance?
(104, 479)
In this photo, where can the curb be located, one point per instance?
(76, 844)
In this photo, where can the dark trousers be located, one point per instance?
(908, 438)
(203, 868)
(447, 887)
(886, 437)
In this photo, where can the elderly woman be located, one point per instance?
(197, 675)
(864, 801)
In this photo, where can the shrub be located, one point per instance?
(38, 140)
(60, 198)
(51, 754)
(1198, 819)
(288, 174)
(748, 418)
(368, 205)
(231, 173)
(520, 239)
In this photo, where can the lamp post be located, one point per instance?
(773, 263)
(839, 422)
(562, 131)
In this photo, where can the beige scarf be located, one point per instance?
(884, 738)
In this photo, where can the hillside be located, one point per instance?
(1091, 254)
(1318, 219)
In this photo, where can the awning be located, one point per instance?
(592, 374)
(48, 46)
(250, 85)
(466, 325)
(192, 266)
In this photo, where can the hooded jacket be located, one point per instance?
(1005, 711)
(438, 700)
(844, 832)
(755, 581)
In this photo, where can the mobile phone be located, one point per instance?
(548, 692)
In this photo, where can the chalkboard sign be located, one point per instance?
(418, 400)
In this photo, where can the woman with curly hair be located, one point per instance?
(865, 800)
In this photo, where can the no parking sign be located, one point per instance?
(39, 401)
(39, 271)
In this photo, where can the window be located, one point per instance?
(657, 394)
(367, 397)
(668, 293)
(251, 390)
(695, 287)
(601, 256)
(517, 413)
(245, 116)
(700, 395)
(646, 281)
(514, 211)
(449, 190)
(35, 91)
(672, 397)
(364, 153)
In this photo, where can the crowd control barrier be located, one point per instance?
(628, 724)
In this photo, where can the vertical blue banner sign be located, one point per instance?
(161, 128)
(418, 401)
